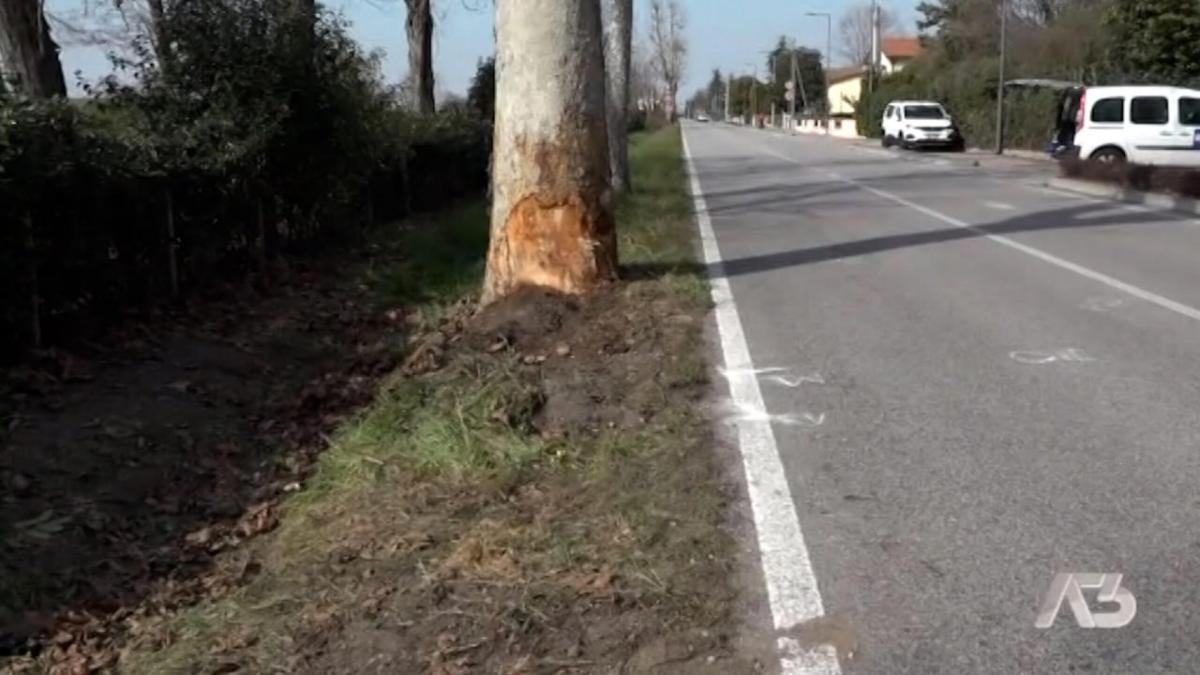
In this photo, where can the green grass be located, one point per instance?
(467, 428)
(656, 217)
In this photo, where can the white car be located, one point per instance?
(913, 124)
(1140, 124)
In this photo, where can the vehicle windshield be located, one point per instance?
(924, 112)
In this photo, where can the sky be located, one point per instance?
(725, 34)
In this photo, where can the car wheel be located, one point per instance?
(887, 141)
(1109, 155)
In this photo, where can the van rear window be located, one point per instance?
(1189, 112)
(1149, 110)
(1109, 110)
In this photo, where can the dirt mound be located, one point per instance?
(608, 361)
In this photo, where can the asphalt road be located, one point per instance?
(983, 383)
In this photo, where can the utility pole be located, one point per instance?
(874, 65)
(828, 59)
(795, 91)
(728, 92)
(774, 82)
(1000, 85)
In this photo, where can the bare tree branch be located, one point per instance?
(667, 26)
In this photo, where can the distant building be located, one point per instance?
(897, 52)
(845, 88)
(846, 84)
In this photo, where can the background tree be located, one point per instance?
(618, 47)
(643, 80)
(716, 94)
(481, 95)
(667, 26)
(854, 29)
(419, 27)
(29, 53)
(552, 220)
(748, 96)
(1156, 40)
(810, 69)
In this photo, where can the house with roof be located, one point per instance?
(897, 52)
(846, 84)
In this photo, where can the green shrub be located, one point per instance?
(263, 142)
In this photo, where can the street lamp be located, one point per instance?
(828, 59)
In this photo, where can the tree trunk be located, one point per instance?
(161, 35)
(419, 26)
(618, 42)
(552, 220)
(30, 55)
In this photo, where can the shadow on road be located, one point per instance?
(1074, 217)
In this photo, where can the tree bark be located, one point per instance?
(160, 33)
(419, 26)
(552, 221)
(618, 44)
(30, 55)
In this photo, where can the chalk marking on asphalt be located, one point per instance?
(1102, 304)
(1112, 282)
(728, 372)
(815, 378)
(1069, 355)
(787, 570)
(738, 413)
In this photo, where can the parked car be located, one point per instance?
(913, 124)
(701, 117)
(1142, 124)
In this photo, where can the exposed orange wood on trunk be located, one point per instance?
(565, 245)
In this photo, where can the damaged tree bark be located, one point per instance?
(552, 221)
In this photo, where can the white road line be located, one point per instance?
(791, 585)
(1165, 303)
(1000, 206)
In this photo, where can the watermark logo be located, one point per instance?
(1070, 587)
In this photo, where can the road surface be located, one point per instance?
(974, 384)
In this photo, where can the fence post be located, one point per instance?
(35, 301)
(172, 260)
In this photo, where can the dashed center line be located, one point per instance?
(1062, 263)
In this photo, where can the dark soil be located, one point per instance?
(127, 471)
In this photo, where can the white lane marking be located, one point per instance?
(1000, 206)
(1112, 282)
(787, 570)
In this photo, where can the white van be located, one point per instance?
(913, 124)
(1142, 124)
